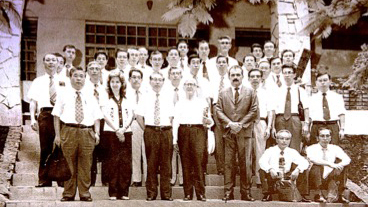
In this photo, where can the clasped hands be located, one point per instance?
(294, 175)
(235, 127)
(120, 134)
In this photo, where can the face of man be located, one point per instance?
(289, 76)
(224, 45)
(255, 79)
(50, 62)
(190, 86)
(183, 49)
(135, 80)
(269, 49)
(257, 52)
(121, 59)
(133, 57)
(156, 82)
(77, 79)
(175, 74)
(249, 62)
(173, 57)
(69, 54)
(194, 65)
(203, 50)
(323, 83)
(276, 66)
(288, 58)
(94, 70)
(157, 61)
(265, 68)
(283, 140)
(101, 59)
(222, 63)
(143, 55)
(236, 77)
(324, 137)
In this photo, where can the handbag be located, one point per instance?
(57, 167)
(300, 108)
(288, 191)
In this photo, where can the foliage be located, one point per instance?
(8, 14)
(358, 78)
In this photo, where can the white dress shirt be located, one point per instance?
(265, 102)
(131, 95)
(111, 110)
(315, 153)
(211, 64)
(65, 107)
(101, 89)
(280, 99)
(336, 105)
(270, 159)
(215, 84)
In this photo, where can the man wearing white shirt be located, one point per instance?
(69, 54)
(282, 163)
(287, 116)
(203, 52)
(325, 170)
(256, 50)
(156, 60)
(80, 114)
(121, 61)
(327, 109)
(203, 88)
(133, 57)
(183, 49)
(155, 114)
(263, 123)
(102, 58)
(42, 95)
(269, 49)
(287, 57)
(249, 63)
(173, 60)
(265, 67)
(224, 45)
(275, 80)
(61, 70)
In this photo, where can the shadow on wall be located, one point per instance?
(78, 58)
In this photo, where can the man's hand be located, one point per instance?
(273, 173)
(267, 133)
(34, 125)
(97, 137)
(341, 134)
(273, 132)
(305, 130)
(176, 148)
(337, 166)
(294, 175)
(57, 141)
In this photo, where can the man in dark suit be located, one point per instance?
(237, 109)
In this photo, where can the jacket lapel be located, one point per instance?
(229, 93)
(241, 93)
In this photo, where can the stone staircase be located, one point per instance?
(23, 192)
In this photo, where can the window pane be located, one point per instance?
(152, 31)
(90, 28)
(101, 29)
(132, 31)
(31, 66)
(30, 56)
(162, 42)
(152, 42)
(110, 30)
(31, 45)
(172, 42)
(141, 41)
(31, 76)
(141, 31)
(121, 41)
(111, 52)
(100, 39)
(121, 30)
(172, 32)
(90, 51)
(131, 41)
(90, 39)
(110, 40)
(162, 32)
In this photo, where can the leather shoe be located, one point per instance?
(136, 184)
(41, 185)
(228, 197)
(87, 199)
(267, 197)
(201, 198)
(187, 198)
(247, 197)
(64, 199)
(319, 199)
(167, 199)
(306, 200)
(342, 199)
(150, 199)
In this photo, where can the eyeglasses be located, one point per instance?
(136, 77)
(190, 84)
(175, 73)
(288, 72)
(225, 43)
(157, 79)
(255, 76)
(325, 136)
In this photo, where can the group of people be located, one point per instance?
(140, 115)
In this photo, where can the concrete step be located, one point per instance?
(28, 156)
(175, 203)
(26, 167)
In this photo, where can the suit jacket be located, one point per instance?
(244, 111)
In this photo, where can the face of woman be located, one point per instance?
(115, 83)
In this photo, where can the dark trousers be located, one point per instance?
(235, 144)
(119, 164)
(294, 125)
(268, 183)
(47, 136)
(159, 149)
(77, 145)
(98, 155)
(192, 146)
(219, 144)
(334, 132)
(337, 177)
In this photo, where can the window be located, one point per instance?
(201, 34)
(29, 49)
(249, 36)
(110, 36)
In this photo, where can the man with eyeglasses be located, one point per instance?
(287, 116)
(326, 170)
(133, 58)
(280, 163)
(327, 109)
(249, 63)
(236, 109)
(269, 49)
(263, 122)
(155, 115)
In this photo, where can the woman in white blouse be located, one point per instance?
(118, 115)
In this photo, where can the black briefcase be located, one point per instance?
(57, 166)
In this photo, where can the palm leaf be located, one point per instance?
(202, 15)
(209, 4)
(14, 15)
(188, 25)
(254, 1)
(174, 13)
(4, 21)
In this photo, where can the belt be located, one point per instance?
(78, 126)
(159, 128)
(292, 114)
(325, 122)
(191, 125)
(47, 109)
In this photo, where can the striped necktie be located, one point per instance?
(78, 108)
(52, 90)
(157, 111)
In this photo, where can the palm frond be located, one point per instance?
(202, 15)
(4, 21)
(13, 15)
(187, 25)
(209, 4)
(174, 13)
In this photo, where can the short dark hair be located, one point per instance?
(293, 67)
(69, 46)
(235, 67)
(173, 68)
(222, 56)
(319, 74)
(156, 52)
(192, 56)
(120, 50)
(157, 73)
(287, 50)
(132, 70)
(181, 41)
(59, 55)
(323, 128)
(254, 46)
(48, 54)
(250, 55)
(274, 58)
(74, 69)
(225, 37)
(203, 42)
(269, 41)
(172, 48)
(100, 52)
(255, 70)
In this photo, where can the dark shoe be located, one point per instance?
(60, 183)
(305, 200)
(136, 184)
(228, 197)
(172, 184)
(267, 197)
(41, 185)
(247, 197)
(188, 198)
(87, 199)
(167, 199)
(64, 199)
(342, 199)
(201, 198)
(181, 185)
(319, 199)
(150, 199)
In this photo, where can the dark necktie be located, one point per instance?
(221, 86)
(282, 163)
(278, 81)
(52, 91)
(182, 63)
(326, 109)
(78, 108)
(236, 95)
(68, 70)
(176, 95)
(96, 94)
(287, 112)
(205, 72)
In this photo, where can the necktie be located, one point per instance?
(278, 81)
(324, 150)
(326, 109)
(287, 112)
(205, 72)
(96, 94)
(182, 63)
(52, 91)
(137, 96)
(176, 95)
(78, 108)
(282, 164)
(236, 95)
(221, 87)
(157, 111)
(68, 70)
